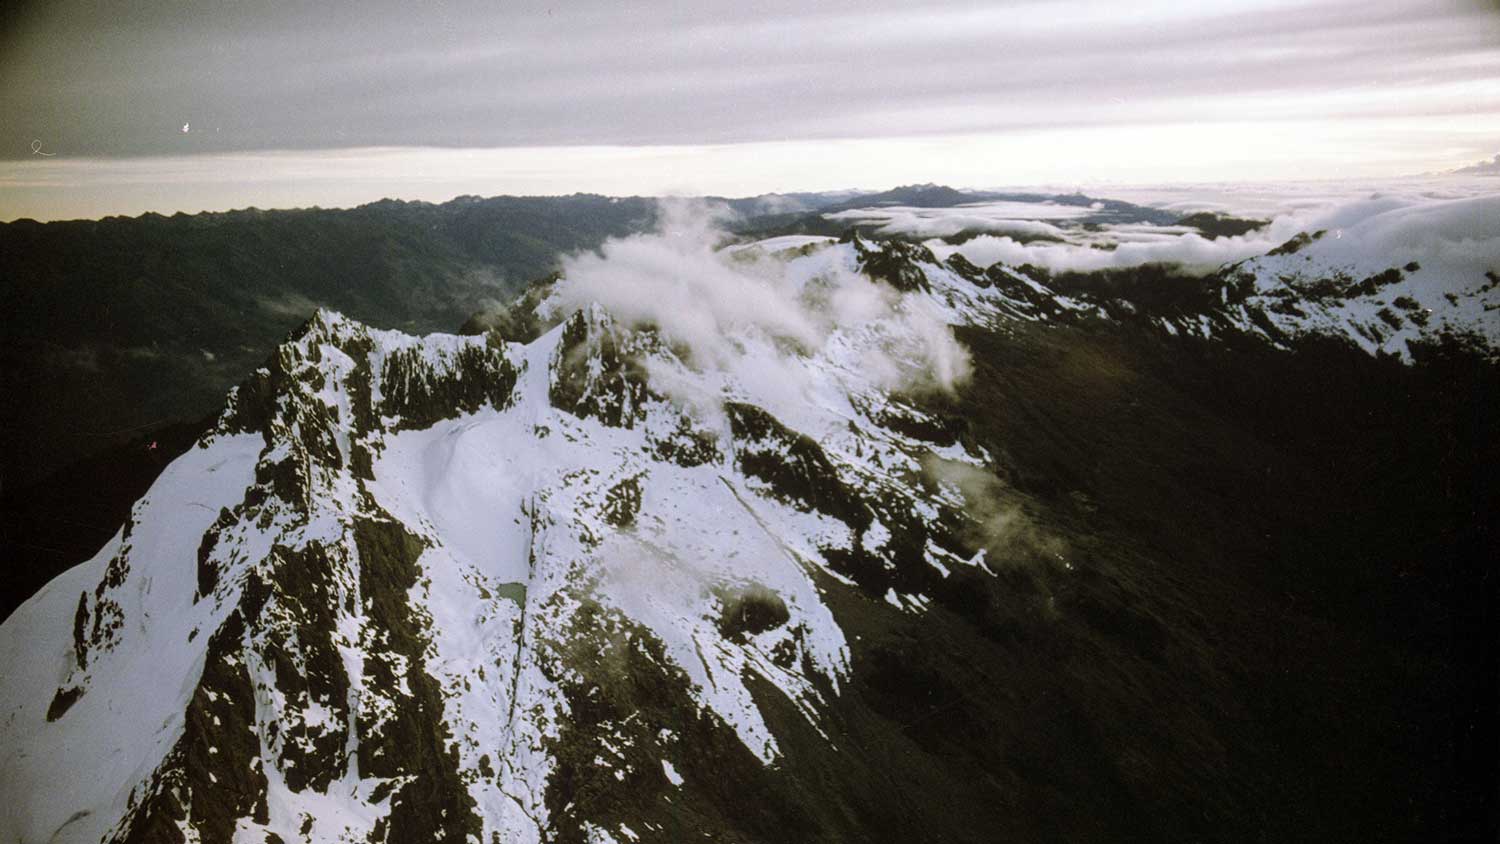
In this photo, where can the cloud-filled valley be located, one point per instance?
(1449, 221)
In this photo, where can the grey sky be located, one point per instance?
(88, 80)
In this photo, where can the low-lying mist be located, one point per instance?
(999, 524)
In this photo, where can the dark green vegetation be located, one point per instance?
(120, 327)
(1215, 226)
(1157, 290)
(1252, 599)
(1276, 617)
(49, 527)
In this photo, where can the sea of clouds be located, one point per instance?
(1444, 220)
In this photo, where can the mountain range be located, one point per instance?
(804, 539)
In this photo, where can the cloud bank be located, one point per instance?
(1438, 225)
(1024, 218)
(770, 326)
(1191, 251)
(1482, 168)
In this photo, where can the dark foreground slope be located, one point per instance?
(1290, 594)
(1253, 600)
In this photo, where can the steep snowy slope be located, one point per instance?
(354, 609)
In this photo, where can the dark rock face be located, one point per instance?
(213, 776)
(596, 372)
(294, 603)
(304, 658)
(414, 745)
(1296, 244)
(752, 610)
(793, 466)
(687, 446)
(894, 262)
(419, 396)
(1219, 225)
(208, 570)
(966, 269)
(1007, 282)
(632, 708)
(934, 422)
(62, 702)
(416, 390)
(624, 502)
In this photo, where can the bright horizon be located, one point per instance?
(97, 188)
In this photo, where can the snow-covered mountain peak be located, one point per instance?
(1396, 276)
(388, 588)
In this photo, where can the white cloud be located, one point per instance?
(1459, 238)
(1482, 168)
(757, 320)
(1415, 219)
(1191, 251)
(1024, 218)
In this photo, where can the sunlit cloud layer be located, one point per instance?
(1060, 159)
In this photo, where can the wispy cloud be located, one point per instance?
(469, 74)
(758, 321)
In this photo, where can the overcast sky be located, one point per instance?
(429, 99)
